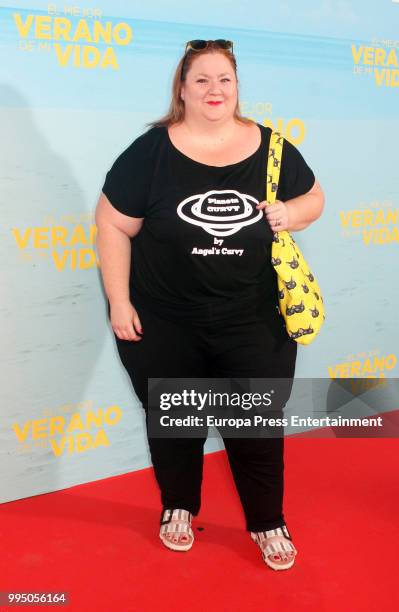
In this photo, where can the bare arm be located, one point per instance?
(306, 208)
(295, 214)
(114, 231)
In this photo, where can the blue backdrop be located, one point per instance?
(78, 85)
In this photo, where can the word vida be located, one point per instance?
(75, 434)
(82, 55)
(371, 56)
(62, 244)
(373, 223)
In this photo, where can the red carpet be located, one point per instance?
(100, 541)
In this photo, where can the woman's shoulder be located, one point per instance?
(145, 145)
(266, 133)
(138, 159)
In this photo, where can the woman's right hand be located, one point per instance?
(125, 321)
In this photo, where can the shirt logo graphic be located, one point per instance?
(220, 213)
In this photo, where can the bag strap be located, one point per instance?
(273, 166)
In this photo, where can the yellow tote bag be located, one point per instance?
(300, 299)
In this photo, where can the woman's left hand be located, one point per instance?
(277, 215)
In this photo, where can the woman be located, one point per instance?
(192, 294)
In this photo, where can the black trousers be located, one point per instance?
(235, 340)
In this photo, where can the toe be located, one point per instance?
(279, 558)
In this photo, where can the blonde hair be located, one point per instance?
(176, 110)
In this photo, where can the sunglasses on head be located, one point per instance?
(198, 45)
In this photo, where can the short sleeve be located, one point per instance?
(296, 177)
(127, 183)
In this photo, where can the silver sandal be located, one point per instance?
(178, 522)
(274, 542)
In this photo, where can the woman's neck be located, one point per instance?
(209, 131)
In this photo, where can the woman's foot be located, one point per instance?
(278, 551)
(176, 532)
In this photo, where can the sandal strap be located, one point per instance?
(274, 541)
(177, 521)
(175, 514)
(278, 531)
(278, 544)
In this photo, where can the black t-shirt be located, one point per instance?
(202, 240)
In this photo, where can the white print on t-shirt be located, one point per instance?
(215, 251)
(220, 216)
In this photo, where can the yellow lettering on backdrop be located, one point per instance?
(83, 58)
(368, 217)
(78, 439)
(94, 419)
(381, 236)
(392, 59)
(367, 368)
(95, 57)
(356, 368)
(113, 420)
(391, 77)
(109, 59)
(379, 57)
(22, 242)
(390, 361)
(367, 235)
(356, 54)
(384, 235)
(81, 258)
(58, 449)
(75, 423)
(379, 76)
(384, 363)
(22, 434)
(356, 218)
(345, 217)
(90, 261)
(368, 57)
(39, 429)
(83, 442)
(287, 131)
(82, 31)
(60, 261)
(57, 425)
(379, 217)
(63, 58)
(59, 235)
(79, 443)
(364, 384)
(23, 28)
(42, 27)
(40, 237)
(374, 56)
(78, 236)
(100, 32)
(117, 31)
(93, 233)
(100, 439)
(62, 27)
